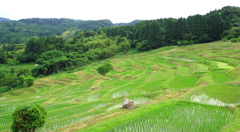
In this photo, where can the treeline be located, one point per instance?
(52, 54)
(147, 35)
(16, 78)
(15, 32)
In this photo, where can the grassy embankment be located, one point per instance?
(162, 82)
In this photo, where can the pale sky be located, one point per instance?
(114, 10)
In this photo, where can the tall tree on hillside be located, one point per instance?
(54, 42)
(105, 68)
(198, 28)
(234, 32)
(227, 24)
(2, 56)
(53, 61)
(190, 23)
(143, 31)
(155, 36)
(30, 45)
(35, 47)
(170, 36)
(182, 29)
(215, 25)
(28, 118)
(233, 13)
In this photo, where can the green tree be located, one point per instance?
(227, 24)
(144, 45)
(10, 61)
(53, 60)
(122, 43)
(10, 80)
(29, 80)
(198, 27)
(23, 71)
(215, 26)
(171, 33)
(28, 118)
(124, 46)
(155, 35)
(142, 32)
(105, 68)
(2, 56)
(234, 32)
(182, 29)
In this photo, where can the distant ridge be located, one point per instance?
(4, 19)
(78, 20)
(15, 32)
(127, 24)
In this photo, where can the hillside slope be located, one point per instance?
(165, 79)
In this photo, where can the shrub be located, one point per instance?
(29, 80)
(144, 45)
(234, 40)
(23, 71)
(238, 39)
(105, 68)
(2, 75)
(41, 76)
(10, 61)
(224, 39)
(10, 80)
(28, 118)
(124, 46)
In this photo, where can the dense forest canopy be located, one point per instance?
(15, 32)
(64, 44)
(152, 34)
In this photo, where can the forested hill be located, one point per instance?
(4, 19)
(127, 24)
(15, 32)
(152, 34)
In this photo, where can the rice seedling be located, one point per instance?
(7, 108)
(148, 87)
(204, 99)
(222, 65)
(183, 81)
(59, 106)
(93, 97)
(178, 118)
(115, 106)
(6, 119)
(226, 93)
(136, 73)
(77, 109)
(181, 59)
(139, 100)
(59, 124)
(220, 77)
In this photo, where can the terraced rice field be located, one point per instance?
(177, 117)
(205, 73)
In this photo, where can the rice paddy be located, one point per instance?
(190, 118)
(156, 81)
(204, 99)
